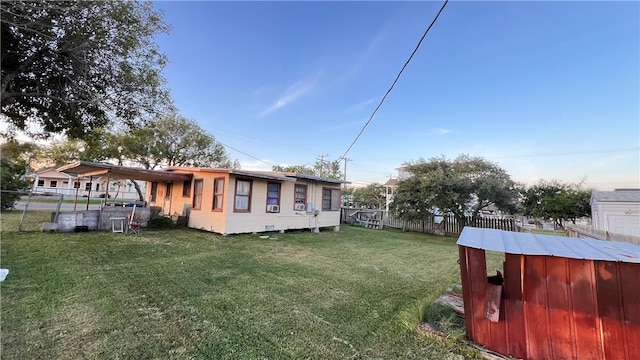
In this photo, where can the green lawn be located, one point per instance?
(359, 293)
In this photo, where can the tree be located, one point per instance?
(461, 187)
(170, 141)
(321, 168)
(372, 196)
(13, 167)
(174, 141)
(72, 66)
(557, 201)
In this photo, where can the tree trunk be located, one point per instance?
(135, 184)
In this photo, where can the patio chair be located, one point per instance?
(133, 224)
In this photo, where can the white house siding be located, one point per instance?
(616, 212)
(258, 220)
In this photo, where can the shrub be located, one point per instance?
(161, 222)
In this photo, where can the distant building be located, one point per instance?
(49, 180)
(616, 211)
(391, 185)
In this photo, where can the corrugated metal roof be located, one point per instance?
(548, 245)
(616, 196)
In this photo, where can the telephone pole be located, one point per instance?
(322, 162)
(345, 168)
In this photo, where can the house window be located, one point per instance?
(197, 193)
(273, 197)
(169, 187)
(97, 186)
(218, 192)
(65, 184)
(87, 186)
(186, 188)
(300, 197)
(330, 199)
(40, 182)
(76, 184)
(53, 183)
(154, 191)
(242, 201)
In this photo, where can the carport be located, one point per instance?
(106, 213)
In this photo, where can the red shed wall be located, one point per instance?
(555, 308)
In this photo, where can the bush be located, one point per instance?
(161, 222)
(102, 196)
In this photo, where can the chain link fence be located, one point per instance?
(30, 211)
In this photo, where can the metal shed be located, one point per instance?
(558, 297)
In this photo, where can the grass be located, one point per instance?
(185, 294)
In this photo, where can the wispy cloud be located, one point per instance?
(361, 105)
(343, 125)
(294, 92)
(444, 131)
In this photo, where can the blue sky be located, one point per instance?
(548, 90)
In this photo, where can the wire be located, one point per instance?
(244, 153)
(394, 81)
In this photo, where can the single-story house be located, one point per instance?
(617, 211)
(229, 201)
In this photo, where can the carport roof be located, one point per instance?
(87, 168)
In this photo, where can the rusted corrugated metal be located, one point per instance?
(555, 307)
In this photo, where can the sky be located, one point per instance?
(547, 90)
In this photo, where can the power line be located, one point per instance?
(394, 81)
(244, 153)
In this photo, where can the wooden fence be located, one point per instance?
(586, 231)
(432, 224)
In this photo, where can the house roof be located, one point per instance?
(391, 182)
(50, 172)
(269, 175)
(548, 245)
(86, 168)
(620, 195)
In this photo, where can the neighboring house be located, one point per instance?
(616, 211)
(391, 185)
(230, 201)
(49, 180)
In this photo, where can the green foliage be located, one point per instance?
(557, 201)
(12, 170)
(160, 223)
(94, 61)
(321, 168)
(460, 186)
(173, 141)
(372, 196)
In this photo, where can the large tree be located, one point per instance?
(371, 196)
(14, 163)
(460, 187)
(557, 201)
(72, 66)
(174, 141)
(170, 141)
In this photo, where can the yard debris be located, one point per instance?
(429, 329)
(3, 274)
(452, 300)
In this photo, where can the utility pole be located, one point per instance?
(345, 168)
(322, 167)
